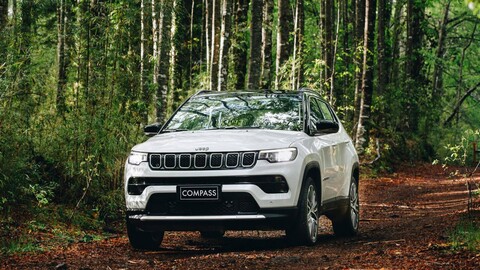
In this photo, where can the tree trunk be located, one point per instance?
(396, 38)
(240, 49)
(381, 46)
(215, 49)
(255, 65)
(364, 121)
(164, 35)
(359, 34)
(438, 68)
(62, 60)
(3, 14)
(143, 89)
(224, 44)
(297, 63)
(283, 45)
(414, 61)
(267, 43)
(208, 37)
(328, 38)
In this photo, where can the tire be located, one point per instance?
(304, 231)
(143, 240)
(212, 234)
(347, 224)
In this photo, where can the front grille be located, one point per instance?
(202, 161)
(229, 204)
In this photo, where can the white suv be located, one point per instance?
(240, 161)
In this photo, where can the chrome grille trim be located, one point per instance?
(195, 161)
(221, 160)
(227, 157)
(174, 161)
(202, 161)
(180, 159)
(253, 161)
(159, 162)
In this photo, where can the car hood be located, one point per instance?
(219, 141)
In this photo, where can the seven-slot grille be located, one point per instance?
(202, 161)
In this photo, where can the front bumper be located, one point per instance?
(273, 219)
(289, 170)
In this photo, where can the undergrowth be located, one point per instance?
(466, 235)
(43, 228)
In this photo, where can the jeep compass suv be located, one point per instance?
(240, 161)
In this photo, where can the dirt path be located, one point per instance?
(405, 221)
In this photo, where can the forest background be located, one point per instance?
(79, 79)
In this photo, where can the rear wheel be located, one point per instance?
(143, 240)
(347, 224)
(304, 231)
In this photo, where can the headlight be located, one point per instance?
(136, 158)
(278, 155)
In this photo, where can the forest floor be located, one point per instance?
(406, 221)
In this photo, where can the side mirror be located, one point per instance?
(326, 126)
(152, 129)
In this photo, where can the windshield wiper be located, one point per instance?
(234, 127)
(173, 130)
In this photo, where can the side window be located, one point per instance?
(326, 112)
(315, 113)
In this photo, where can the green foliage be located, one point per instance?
(474, 5)
(466, 236)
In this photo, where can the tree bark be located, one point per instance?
(396, 38)
(254, 67)
(364, 120)
(414, 61)
(164, 33)
(328, 38)
(62, 60)
(440, 52)
(283, 46)
(215, 49)
(297, 63)
(143, 88)
(3, 14)
(224, 45)
(240, 49)
(267, 44)
(359, 34)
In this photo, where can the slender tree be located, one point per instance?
(224, 44)
(164, 34)
(254, 67)
(364, 119)
(62, 59)
(297, 63)
(439, 55)
(239, 49)
(3, 14)
(215, 46)
(283, 44)
(414, 61)
(358, 63)
(267, 43)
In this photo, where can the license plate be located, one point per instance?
(199, 193)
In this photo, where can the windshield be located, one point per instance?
(242, 111)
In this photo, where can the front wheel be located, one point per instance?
(304, 230)
(143, 240)
(347, 224)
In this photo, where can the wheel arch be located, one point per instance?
(313, 169)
